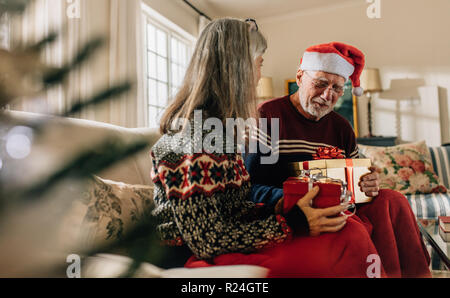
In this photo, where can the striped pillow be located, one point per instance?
(440, 157)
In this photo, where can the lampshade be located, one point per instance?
(265, 88)
(403, 89)
(370, 80)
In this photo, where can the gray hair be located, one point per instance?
(258, 43)
(220, 78)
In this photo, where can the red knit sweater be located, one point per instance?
(300, 139)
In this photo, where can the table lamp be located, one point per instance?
(265, 88)
(401, 90)
(371, 82)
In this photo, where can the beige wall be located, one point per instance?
(410, 40)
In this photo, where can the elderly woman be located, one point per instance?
(202, 197)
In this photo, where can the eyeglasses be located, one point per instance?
(252, 23)
(322, 84)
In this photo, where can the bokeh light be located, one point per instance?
(18, 142)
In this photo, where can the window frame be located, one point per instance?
(150, 16)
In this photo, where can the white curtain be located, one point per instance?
(126, 61)
(121, 57)
(4, 32)
(40, 18)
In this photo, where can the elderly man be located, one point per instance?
(308, 126)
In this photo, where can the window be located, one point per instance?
(168, 51)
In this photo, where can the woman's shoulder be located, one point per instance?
(174, 147)
(169, 146)
(178, 146)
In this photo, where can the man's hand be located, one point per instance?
(370, 183)
(318, 219)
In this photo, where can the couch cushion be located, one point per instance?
(430, 206)
(104, 213)
(440, 157)
(406, 168)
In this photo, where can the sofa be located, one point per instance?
(83, 216)
(420, 172)
(430, 206)
(86, 215)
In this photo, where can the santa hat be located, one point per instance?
(336, 58)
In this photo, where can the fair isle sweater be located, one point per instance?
(202, 200)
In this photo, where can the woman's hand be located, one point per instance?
(279, 206)
(318, 219)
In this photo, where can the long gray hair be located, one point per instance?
(220, 79)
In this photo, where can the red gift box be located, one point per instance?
(295, 188)
(348, 170)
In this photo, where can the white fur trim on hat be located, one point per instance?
(358, 91)
(327, 62)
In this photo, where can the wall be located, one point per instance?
(408, 41)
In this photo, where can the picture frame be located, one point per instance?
(346, 106)
(290, 87)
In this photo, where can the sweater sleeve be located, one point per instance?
(205, 191)
(263, 190)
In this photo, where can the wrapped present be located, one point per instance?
(348, 170)
(332, 192)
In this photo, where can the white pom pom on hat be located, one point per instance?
(358, 91)
(336, 58)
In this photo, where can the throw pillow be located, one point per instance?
(406, 168)
(105, 212)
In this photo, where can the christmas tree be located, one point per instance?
(26, 209)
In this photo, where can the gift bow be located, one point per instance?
(328, 153)
(348, 176)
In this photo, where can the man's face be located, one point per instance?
(319, 92)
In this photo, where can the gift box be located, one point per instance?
(330, 193)
(348, 170)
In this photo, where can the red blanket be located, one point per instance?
(382, 240)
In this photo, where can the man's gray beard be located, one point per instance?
(316, 112)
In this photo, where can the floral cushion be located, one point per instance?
(105, 212)
(406, 168)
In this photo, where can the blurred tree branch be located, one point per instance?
(24, 75)
(13, 6)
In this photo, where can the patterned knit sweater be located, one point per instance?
(202, 200)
